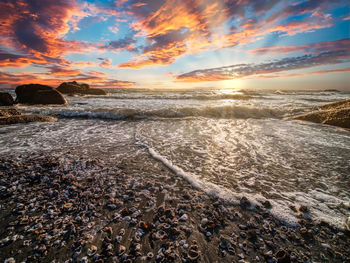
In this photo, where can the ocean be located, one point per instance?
(227, 143)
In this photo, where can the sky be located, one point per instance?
(239, 44)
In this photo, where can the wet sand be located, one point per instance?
(68, 209)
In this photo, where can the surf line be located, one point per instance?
(210, 189)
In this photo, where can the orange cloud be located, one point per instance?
(159, 56)
(175, 28)
(33, 33)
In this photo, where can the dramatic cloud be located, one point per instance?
(198, 25)
(37, 27)
(244, 70)
(33, 34)
(343, 44)
(82, 40)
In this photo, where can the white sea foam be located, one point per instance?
(213, 190)
(234, 158)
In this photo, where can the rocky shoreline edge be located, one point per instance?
(37, 94)
(12, 116)
(66, 209)
(335, 114)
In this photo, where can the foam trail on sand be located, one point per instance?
(214, 190)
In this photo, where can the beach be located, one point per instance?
(80, 210)
(142, 176)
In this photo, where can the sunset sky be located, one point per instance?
(176, 44)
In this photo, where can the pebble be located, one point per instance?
(68, 212)
(184, 217)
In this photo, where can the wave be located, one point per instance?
(178, 97)
(318, 99)
(227, 112)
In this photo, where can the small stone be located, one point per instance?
(303, 208)
(267, 204)
(244, 202)
(118, 239)
(326, 246)
(241, 256)
(184, 217)
(204, 221)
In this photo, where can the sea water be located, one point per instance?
(227, 143)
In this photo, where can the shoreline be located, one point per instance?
(57, 206)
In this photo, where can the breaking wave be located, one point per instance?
(227, 112)
(177, 97)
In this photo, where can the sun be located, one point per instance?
(232, 84)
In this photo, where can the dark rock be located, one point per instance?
(252, 235)
(6, 99)
(282, 256)
(267, 204)
(244, 202)
(331, 90)
(38, 94)
(76, 88)
(95, 92)
(72, 87)
(303, 208)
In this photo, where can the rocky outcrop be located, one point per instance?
(72, 88)
(76, 88)
(6, 99)
(7, 112)
(12, 116)
(342, 104)
(95, 92)
(336, 114)
(38, 94)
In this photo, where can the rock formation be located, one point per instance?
(38, 94)
(76, 88)
(6, 99)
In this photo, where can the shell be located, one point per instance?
(92, 251)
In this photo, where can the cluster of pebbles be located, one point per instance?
(64, 209)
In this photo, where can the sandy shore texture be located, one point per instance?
(68, 209)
